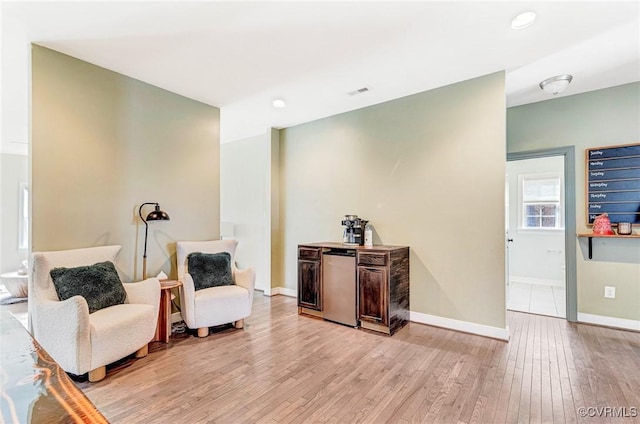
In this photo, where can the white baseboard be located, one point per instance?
(176, 317)
(284, 291)
(627, 324)
(448, 323)
(531, 280)
(464, 326)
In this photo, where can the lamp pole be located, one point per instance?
(155, 215)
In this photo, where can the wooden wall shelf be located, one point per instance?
(591, 236)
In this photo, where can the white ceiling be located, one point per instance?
(240, 56)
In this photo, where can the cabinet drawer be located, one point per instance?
(308, 253)
(376, 259)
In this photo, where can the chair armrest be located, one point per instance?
(245, 278)
(63, 330)
(147, 291)
(188, 300)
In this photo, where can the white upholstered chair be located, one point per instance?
(212, 306)
(81, 342)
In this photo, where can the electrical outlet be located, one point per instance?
(609, 292)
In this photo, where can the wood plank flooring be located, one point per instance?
(285, 368)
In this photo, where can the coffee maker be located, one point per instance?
(354, 230)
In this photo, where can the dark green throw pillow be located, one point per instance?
(99, 284)
(210, 269)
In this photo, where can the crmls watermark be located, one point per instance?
(608, 412)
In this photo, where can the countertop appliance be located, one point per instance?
(354, 230)
(339, 286)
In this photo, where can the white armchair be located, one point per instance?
(82, 342)
(212, 306)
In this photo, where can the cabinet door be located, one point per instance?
(374, 296)
(309, 284)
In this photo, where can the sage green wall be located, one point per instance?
(276, 231)
(598, 118)
(102, 144)
(428, 171)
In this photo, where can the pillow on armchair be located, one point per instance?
(99, 284)
(210, 269)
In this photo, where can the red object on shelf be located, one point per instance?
(602, 225)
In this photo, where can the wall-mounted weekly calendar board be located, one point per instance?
(613, 183)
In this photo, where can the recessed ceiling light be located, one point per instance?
(523, 20)
(279, 103)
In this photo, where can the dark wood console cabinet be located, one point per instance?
(309, 278)
(383, 288)
(373, 290)
(382, 282)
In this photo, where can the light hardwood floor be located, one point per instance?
(285, 368)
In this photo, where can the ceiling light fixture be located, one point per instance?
(557, 84)
(523, 20)
(279, 103)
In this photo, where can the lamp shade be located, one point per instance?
(158, 215)
(155, 215)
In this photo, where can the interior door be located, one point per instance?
(535, 236)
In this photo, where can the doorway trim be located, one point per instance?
(569, 155)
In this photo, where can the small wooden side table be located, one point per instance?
(163, 330)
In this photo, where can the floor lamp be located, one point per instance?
(155, 215)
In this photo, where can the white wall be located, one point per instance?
(14, 129)
(13, 171)
(14, 112)
(245, 199)
(534, 255)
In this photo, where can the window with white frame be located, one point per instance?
(541, 201)
(23, 217)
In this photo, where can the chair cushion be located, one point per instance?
(120, 330)
(99, 284)
(210, 269)
(221, 305)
